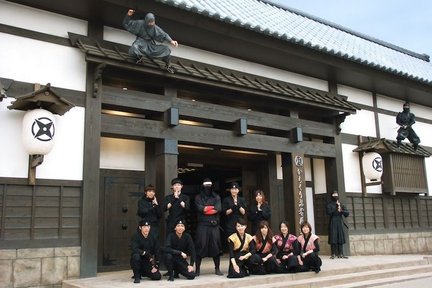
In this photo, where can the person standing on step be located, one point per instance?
(336, 235)
(178, 247)
(177, 204)
(150, 210)
(145, 250)
(207, 239)
(259, 211)
(233, 207)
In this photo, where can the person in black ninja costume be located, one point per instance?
(208, 242)
(405, 120)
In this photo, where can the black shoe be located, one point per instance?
(343, 256)
(176, 275)
(137, 279)
(171, 278)
(317, 270)
(170, 69)
(333, 256)
(218, 272)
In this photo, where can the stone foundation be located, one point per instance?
(391, 244)
(38, 267)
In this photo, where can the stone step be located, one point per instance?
(385, 281)
(341, 280)
(332, 270)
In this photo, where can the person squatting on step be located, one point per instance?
(178, 247)
(145, 250)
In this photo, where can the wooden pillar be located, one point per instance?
(150, 163)
(294, 189)
(166, 152)
(91, 176)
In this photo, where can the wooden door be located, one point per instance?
(121, 191)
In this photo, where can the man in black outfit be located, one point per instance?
(233, 207)
(405, 120)
(207, 239)
(336, 236)
(178, 247)
(145, 249)
(150, 210)
(176, 204)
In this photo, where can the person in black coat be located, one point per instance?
(178, 247)
(233, 207)
(150, 210)
(207, 239)
(145, 250)
(259, 211)
(177, 204)
(239, 251)
(336, 235)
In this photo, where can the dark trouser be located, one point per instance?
(408, 133)
(259, 267)
(216, 261)
(141, 266)
(175, 263)
(337, 249)
(312, 261)
(243, 265)
(291, 264)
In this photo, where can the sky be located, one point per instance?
(405, 23)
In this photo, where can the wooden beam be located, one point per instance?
(143, 128)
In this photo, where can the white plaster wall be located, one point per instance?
(122, 154)
(45, 63)
(308, 169)
(310, 207)
(387, 103)
(351, 168)
(320, 184)
(64, 162)
(187, 52)
(13, 158)
(361, 123)
(388, 127)
(41, 21)
(356, 95)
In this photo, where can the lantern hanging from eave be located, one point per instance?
(372, 166)
(38, 131)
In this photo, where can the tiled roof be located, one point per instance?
(214, 75)
(389, 146)
(296, 27)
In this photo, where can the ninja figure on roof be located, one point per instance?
(151, 39)
(405, 120)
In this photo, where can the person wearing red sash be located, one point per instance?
(288, 249)
(263, 259)
(309, 244)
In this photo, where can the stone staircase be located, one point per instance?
(358, 271)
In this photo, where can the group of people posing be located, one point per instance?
(261, 252)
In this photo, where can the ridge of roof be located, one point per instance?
(293, 26)
(421, 56)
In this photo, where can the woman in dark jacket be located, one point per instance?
(259, 211)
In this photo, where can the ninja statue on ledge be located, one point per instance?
(405, 120)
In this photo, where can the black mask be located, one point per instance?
(406, 110)
(335, 198)
(207, 190)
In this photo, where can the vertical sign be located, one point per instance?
(299, 189)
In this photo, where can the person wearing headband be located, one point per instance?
(207, 239)
(177, 204)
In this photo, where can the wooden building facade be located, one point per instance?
(243, 105)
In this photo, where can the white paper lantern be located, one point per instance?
(372, 165)
(38, 131)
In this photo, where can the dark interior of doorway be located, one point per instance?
(193, 177)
